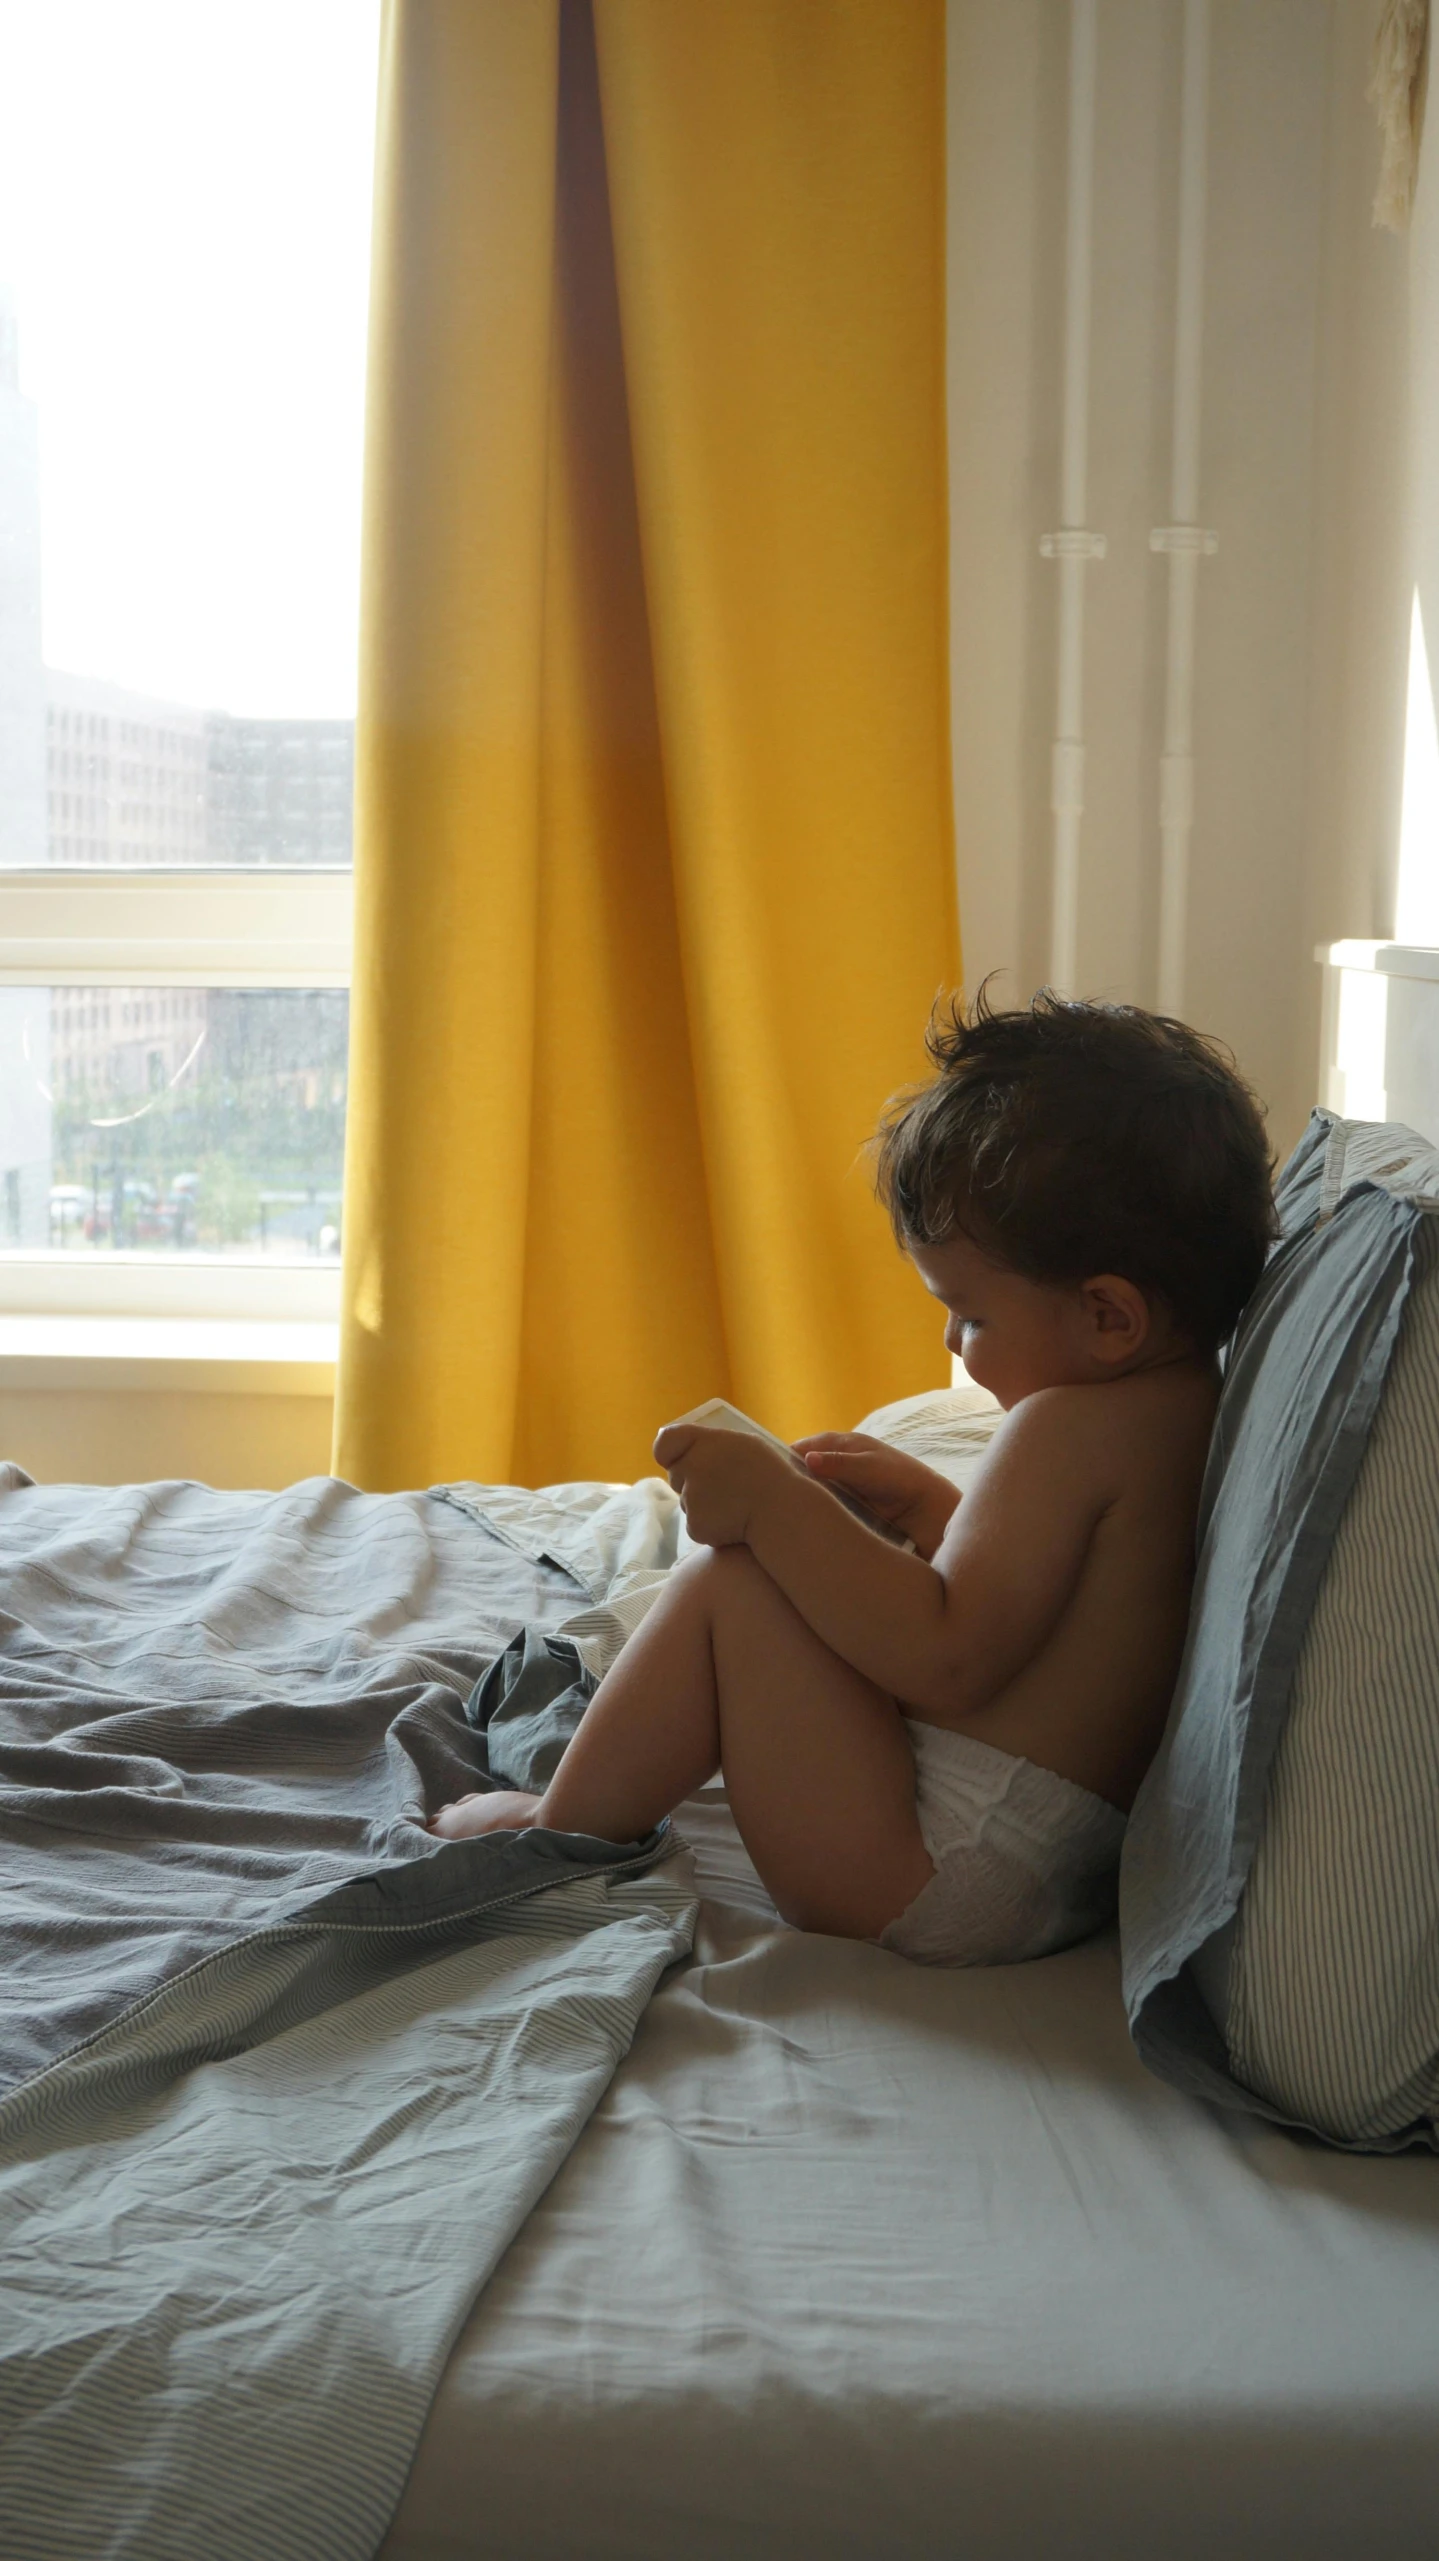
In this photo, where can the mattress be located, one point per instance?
(858, 2258)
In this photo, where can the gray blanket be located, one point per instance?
(279, 2073)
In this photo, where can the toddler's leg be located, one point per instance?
(725, 1673)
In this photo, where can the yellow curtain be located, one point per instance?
(653, 861)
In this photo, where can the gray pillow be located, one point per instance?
(1330, 2006)
(1280, 2009)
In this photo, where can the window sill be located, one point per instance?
(168, 1290)
(1387, 960)
(167, 1355)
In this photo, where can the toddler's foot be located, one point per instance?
(493, 1810)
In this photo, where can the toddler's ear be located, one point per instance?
(1117, 1317)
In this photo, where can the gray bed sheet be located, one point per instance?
(280, 2074)
(859, 2258)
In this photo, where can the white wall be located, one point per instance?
(1417, 918)
(1303, 399)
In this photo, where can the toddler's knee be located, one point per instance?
(723, 1573)
(721, 1586)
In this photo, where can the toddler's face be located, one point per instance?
(1013, 1335)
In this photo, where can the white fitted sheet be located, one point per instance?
(860, 2260)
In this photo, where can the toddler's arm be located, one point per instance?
(942, 1636)
(914, 1499)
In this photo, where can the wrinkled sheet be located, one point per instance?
(859, 2259)
(216, 1710)
(280, 2074)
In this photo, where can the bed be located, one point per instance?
(850, 2257)
(860, 2259)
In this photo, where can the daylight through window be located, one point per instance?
(184, 242)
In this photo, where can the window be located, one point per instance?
(207, 1119)
(184, 217)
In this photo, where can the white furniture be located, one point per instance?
(1380, 1037)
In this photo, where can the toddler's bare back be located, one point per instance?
(1072, 1558)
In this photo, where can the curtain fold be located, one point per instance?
(653, 862)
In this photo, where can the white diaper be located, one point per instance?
(1025, 1862)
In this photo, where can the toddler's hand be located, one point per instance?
(719, 1476)
(897, 1488)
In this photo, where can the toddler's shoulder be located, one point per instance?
(1125, 1423)
(1066, 1428)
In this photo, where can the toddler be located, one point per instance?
(937, 1749)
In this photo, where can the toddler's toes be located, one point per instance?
(490, 1810)
(445, 1821)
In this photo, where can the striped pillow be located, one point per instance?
(1279, 1892)
(1333, 1991)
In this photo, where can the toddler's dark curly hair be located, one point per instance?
(1067, 1139)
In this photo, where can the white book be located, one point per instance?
(720, 1417)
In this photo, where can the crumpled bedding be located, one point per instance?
(220, 1711)
(280, 2074)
